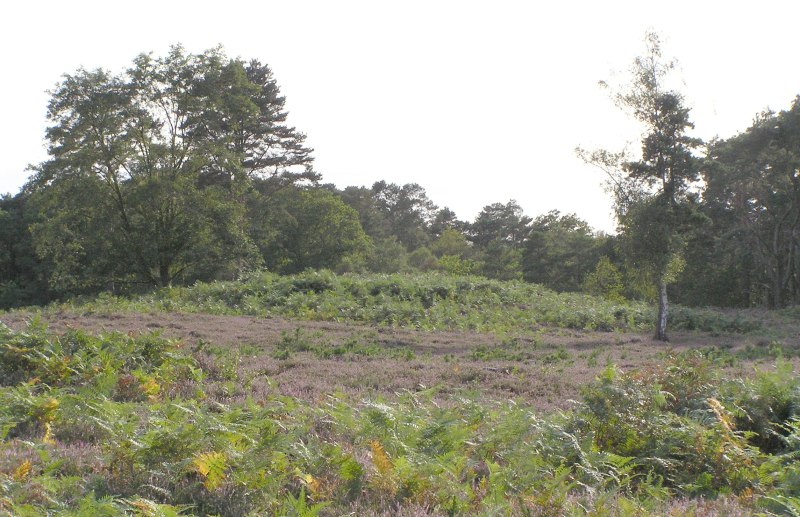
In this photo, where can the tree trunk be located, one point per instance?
(164, 278)
(777, 288)
(661, 322)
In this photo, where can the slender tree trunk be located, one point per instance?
(661, 322)
(163, 275)
(777, 287)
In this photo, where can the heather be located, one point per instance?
(139, 424)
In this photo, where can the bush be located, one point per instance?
(605, 281)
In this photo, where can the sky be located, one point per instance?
(478, 102)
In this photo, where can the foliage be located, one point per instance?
(307, 229)
(421, 259)
(500, 222)
(372, 218)
(388, 256)
(559, 252)
(183, 168)
(407, 212)
(605, 281)
(148, 169)
(21, 281)
(639, 443)
(211, 466)
(501, 262)
(753, 197)
(300, 341)
(453, 265)
(652, 192)
(451, 242)
(427, 301)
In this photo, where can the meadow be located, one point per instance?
(323, 394)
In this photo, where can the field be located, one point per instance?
(319, 394)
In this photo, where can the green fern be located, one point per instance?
(299, 507)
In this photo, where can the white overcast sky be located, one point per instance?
(479, 102)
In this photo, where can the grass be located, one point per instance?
(372, 422)
(322, 348)
(138, 424)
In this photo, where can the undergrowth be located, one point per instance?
(315, 343)
(118, 424)
(425, 301)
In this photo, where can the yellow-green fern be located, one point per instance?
(380, 459)
(211, 466)
(23, 471)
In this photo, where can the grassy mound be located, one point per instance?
(423, 301)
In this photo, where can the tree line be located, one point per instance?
(184, 168)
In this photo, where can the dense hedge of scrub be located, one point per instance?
(112, 424)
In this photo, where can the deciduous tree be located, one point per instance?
(309, 228)
(163, 153)
(559, 252)
(504, 222)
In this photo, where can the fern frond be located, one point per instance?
(380, 459)
(23, 471)
(211, 466)
(48, 434)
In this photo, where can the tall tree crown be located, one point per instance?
(167, 150)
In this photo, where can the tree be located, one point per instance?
(499, 233)
(753, 195)
(403, 212)
(407, 210)
(445, 219)
(167, 150)
(388, 256)
(505, 223)
(243, 120)
(73, 238)
(373, 219)
(605, 281)
(423, 260)
(22, 277)
(308, 228)
(559, 252)
(452, 242)
(501, 261)
(652, 193)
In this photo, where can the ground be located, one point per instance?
(310, 359)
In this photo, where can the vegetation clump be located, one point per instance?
(427, 301)
(109, 424)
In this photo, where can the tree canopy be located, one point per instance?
(184, 167)
(147, 167)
